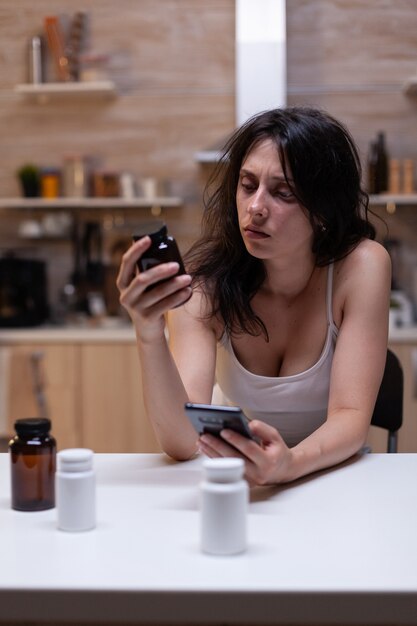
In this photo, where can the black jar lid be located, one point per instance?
(156, 230)
(32, 426)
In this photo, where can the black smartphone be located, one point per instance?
(212, 418)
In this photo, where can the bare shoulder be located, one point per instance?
(368, 261)
(362, 280)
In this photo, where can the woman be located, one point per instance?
(289, 310)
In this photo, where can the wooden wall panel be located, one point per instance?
(351, 42)
(177, 88)
(352, 59)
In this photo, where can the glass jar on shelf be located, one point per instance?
(50, 179)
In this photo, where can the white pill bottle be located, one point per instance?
(75, 485)
(224, 507)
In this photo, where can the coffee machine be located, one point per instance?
(23, 292)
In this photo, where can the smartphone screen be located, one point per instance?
(212, 419)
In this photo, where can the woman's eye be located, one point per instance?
(248, 186)
(286, 194)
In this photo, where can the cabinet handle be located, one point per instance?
(38, 379)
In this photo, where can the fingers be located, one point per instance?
(157, 274)
(248, 448)
(162, 296)
(141, 291)
(128, 265)
(266, 463)
(215, 447)
(264, 431)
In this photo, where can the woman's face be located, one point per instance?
(271, 221)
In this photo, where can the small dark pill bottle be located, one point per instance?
(33, 463)
(163, 248)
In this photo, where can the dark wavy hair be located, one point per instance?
(326, 180)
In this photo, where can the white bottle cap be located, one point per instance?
(224, 470)
(75, 460)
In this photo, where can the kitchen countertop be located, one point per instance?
(121, 332)
(406, 334)
(110, 331)
(339, 547)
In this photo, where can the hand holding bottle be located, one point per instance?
(148, 295)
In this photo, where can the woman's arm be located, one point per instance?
(363, 281)
(178, 373)
(359, 360)
(165, 388)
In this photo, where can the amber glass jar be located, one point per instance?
(50, 182)
(33, 462)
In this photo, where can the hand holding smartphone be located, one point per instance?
(212, 419)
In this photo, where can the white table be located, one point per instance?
(336, 548)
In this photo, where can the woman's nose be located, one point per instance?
(257, 205)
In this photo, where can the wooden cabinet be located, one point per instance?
(407, 437)
(93, 394)
(58, 366)
(111, 398)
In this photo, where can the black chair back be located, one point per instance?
(388, 412)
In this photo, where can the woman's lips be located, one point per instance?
(252, 233)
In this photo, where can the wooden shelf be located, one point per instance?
(207, 156)
(395, 199)
(89, 203)
(44, 92)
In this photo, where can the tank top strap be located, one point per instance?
(329, 296)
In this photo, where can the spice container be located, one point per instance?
(394, 176)
(106, 184)
(50, 182)
(33, 457)
(408, 180)
(74, 177)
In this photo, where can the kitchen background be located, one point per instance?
(172, 63)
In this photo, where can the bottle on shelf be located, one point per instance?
(382, 164)
(372, 165)
(50, 182)
(394, 177)
(408, 176)
(378, 165)
(36, 69)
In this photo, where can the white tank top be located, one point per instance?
(295, 405)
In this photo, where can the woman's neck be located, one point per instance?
(288, 277)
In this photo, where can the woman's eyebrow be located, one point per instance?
(246, 172)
